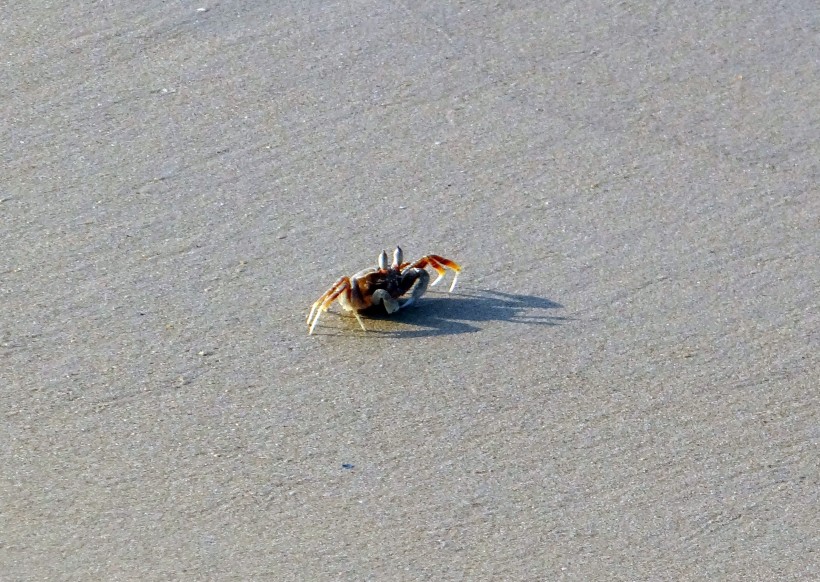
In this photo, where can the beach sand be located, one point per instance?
(623, 385)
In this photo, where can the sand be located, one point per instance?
(623, 386)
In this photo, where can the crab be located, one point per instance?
(384, 285)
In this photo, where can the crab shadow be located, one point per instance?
(464, 312)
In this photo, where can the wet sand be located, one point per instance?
(622, 386)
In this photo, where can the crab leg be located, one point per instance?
(326, 294)
(341, 290)
(326, 300)
(359, 319)
(438, 263)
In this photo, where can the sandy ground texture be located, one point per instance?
(624, 385)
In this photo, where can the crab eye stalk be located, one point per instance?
(397, 258)
(383, 260)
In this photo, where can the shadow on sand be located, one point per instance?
(461, 312)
